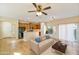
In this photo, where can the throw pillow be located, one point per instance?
(37, 39)
(47, 36)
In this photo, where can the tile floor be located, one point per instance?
(9, 46)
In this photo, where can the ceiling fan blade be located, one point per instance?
(47, 8)
(44, 13)
(34, 5)
(31, 11)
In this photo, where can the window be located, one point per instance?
(49, 29)
(6, 29)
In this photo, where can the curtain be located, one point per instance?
(67, 32)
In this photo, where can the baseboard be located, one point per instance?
(7, 37)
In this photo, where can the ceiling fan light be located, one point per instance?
(39, 13)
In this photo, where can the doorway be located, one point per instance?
(21, 32)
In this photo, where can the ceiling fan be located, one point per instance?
(39, 10)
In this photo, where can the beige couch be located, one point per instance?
(38, 48)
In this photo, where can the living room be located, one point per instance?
(34, 34)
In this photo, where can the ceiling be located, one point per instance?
(19, 10)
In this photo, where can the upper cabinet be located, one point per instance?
(29, 26)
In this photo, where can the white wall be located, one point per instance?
(0, 29)
(43, 29)
(56, 32)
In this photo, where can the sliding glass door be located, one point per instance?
(67, 32)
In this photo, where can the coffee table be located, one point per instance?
(59, 46)
(70, 50)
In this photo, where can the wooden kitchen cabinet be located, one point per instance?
(29, 26)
